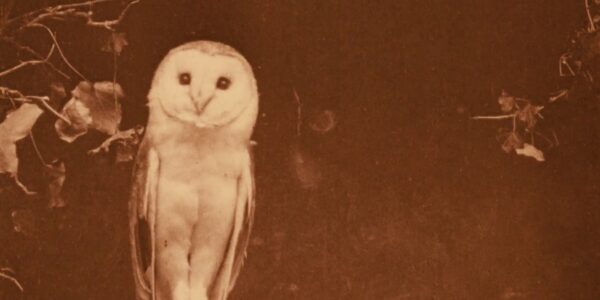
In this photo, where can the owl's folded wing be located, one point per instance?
(240, 236)
(141, 218)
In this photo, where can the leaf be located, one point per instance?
(15, 127)
(529, 150)
(79, 115)
(506, 101)
(92, 106)
(512, 142)
(529, 115)
(55, 174)
(115, 43)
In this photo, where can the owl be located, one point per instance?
(192, 201)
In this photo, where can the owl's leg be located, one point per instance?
(211, 235)
(174, 221)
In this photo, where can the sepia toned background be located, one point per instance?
(372, 181)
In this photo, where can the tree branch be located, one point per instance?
(11, 279)
(298, 112)
(35, 54)
(499, 117)
(14, 95)
(592, 26)
(28, 63)
(62, 55)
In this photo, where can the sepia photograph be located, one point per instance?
(299, 150)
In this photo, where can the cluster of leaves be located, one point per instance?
(89, 106)
(580, 64)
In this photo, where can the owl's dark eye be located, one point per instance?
(185, 78)
(223, 83)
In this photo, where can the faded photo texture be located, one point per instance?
(401, 149)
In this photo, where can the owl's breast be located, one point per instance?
(189, 162)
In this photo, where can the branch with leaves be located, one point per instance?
(92, 105)
(576, 64)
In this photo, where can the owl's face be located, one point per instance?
(204, 83)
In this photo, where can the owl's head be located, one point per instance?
(207, 84)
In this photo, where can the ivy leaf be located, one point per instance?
(15, 127)
(529, 150)
(115, 43)
(92, 106)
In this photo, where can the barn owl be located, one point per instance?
(192, 205)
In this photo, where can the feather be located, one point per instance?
(141, 220)
(240, 235)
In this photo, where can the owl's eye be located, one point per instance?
(185, 78)
(223, 83)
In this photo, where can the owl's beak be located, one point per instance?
(201, 102)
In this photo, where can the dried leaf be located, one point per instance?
(94, 106)
(531, 151)
(79, 115)
(15, 127)
(513, 141)
(115, 43)
(529, 115)
(506, 101)
(55, 174)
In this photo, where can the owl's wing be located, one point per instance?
(240, 235)
(141, 219)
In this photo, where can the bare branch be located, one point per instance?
(34, 16)
(592, 26)
(558, 96)
(28, 63)
(34, 54)
(298, 112)
(11, 279)
(499, 117)
(44, 102)
(73, 11)
(62, 55)
(14, 95)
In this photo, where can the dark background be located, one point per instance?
(409, 198)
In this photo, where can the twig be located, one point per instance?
(28, 63)
(558, 96)
(14, 95)
(592, 26)
(37, 149)
(62, 55)
(35, 54)
(120, 135)
(500, 117)
(298, 112)
(44, 101)
(124, 12)
(48, 11)
(12, 279)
